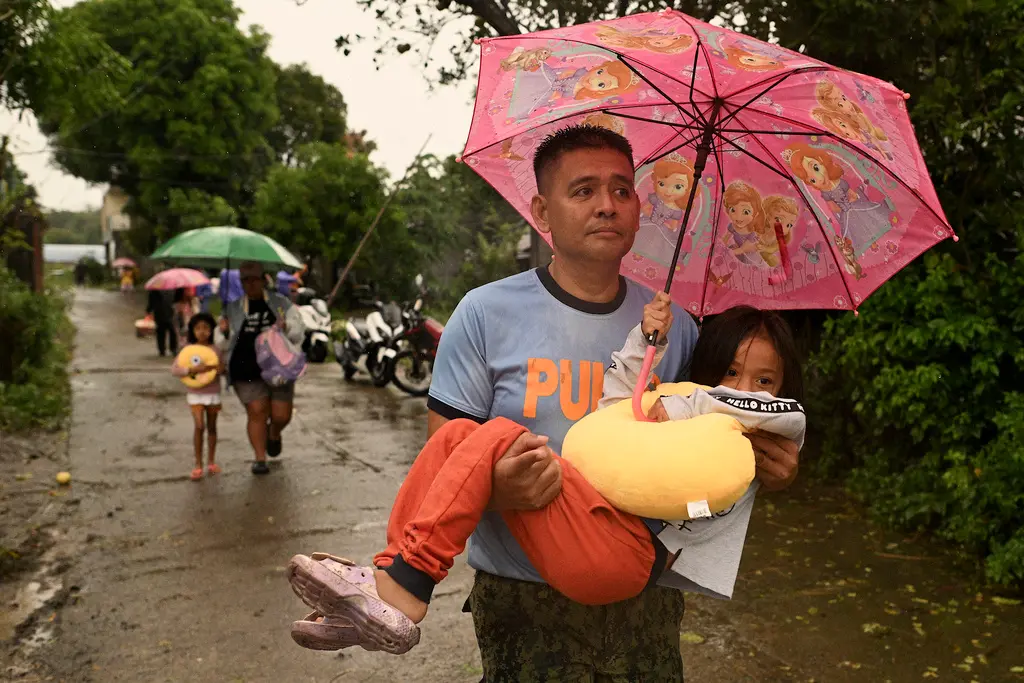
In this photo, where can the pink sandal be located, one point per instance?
(197, 474)
(317, 632)
(212, 469)
(339, 590)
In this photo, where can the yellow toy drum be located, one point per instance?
(658, 469)
(194, 356)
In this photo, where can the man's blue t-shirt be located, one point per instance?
(525, 349)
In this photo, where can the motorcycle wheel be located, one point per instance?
(411, 372)
(380, 373)
(349, 371)
(317, 353)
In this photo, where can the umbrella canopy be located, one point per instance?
(123, 262)
(213, 247)
(177, 278)
(766, 177)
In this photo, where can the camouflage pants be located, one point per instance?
(529, 633)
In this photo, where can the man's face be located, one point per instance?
(252, 284)
(589, 206)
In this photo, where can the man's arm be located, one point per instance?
(434, 422)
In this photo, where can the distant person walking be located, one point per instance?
(159, 306)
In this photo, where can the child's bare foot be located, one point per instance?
(391, 592)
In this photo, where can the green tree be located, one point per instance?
(196, 108)
(312, 110)
(322, 206)
(48, 63)
(466, 233)
(73, 227)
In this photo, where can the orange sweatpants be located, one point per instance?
(581, 546)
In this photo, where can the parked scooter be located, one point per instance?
(415, 344)
(368, 340)
(317, 321)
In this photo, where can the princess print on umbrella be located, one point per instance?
(661, 212)
(844, 117)
(547, 80)
(662, 41)
(746, 223)
(859, 219)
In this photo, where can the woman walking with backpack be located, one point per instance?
(268, 408)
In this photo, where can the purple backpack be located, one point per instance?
(280, 362)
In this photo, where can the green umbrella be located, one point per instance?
(215, 247)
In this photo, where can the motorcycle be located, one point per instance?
(368, 339)
(415, 348)
(317, 321)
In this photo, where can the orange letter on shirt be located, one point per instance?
(597, 373)
(574, 410)
(537, 387)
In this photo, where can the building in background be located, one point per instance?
(532, 251)
(114, 221)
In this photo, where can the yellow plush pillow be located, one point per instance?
(658, 469)
(192, 356)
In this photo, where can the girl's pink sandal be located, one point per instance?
(338, 589)
(317, 632)
(197, 474)
(212, 469)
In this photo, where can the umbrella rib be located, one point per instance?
(846, 143)
(693, 82)
(700, 46)
(798, 70)
(810, 208)
(757, 97)
(741, 131)
(622, 58)
(714, 232)
(656, 156)
(596, 109)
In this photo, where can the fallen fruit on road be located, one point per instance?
(63, 478)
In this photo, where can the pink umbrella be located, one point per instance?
(123, 262)
(177, 278)
(767, 178)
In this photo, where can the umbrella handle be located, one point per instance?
(641, 385)
(787, 264)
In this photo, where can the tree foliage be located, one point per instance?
(312, 110)
(73, 227)
(323, 204)
(47, 61)
(465, 231)
(195, 110)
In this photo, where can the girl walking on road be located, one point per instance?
(203, 402)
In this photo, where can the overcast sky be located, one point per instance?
(398, 118)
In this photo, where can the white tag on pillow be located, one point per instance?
(698, 509)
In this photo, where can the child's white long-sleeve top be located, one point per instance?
(709, 549)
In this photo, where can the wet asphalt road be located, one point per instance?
(182, 581)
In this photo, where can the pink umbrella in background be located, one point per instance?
(123, 262)
(177, 278)
(766, 177)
